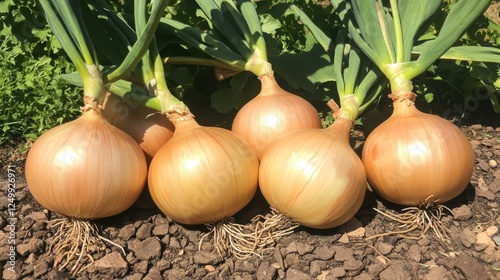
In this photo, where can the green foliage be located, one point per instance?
(32, 99)
(453, 85)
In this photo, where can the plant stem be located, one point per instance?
(65, 20)
(200, 61)
(396, 73)
(134, 94)
(146, 71)
(398, 30)
(140, 47)
(62, 36)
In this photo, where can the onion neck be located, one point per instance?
(397, 75)
(341, 128)
(344, 120)
(269, 85)
(182, 121)
(258, 64)
(349, 107)
(403, 103)
(93, 86)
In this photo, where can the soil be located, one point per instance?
(158, 248)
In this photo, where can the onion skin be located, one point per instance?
(203, 174)
(149, 128)
(414, 158)
(314, 177)
(272, 113)
(86, 168)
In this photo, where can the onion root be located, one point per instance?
(230, 238)
(245, 241)
(426, 216)
(273, 227)
(75, 241)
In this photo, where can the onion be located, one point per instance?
(149, 128)
(313, 176)
(415, 158)
(86, 168)
(203, 174)
(272, 113)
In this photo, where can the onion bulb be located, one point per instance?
(203, 174)
(313, 176)
(414, 158)
(149, 128)
(272, 113)
(86, 168)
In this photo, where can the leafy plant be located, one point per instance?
(31, 97)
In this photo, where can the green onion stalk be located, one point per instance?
(66, 22)
(246, 47)
(389, 38)
(358, 81)
(152, 68)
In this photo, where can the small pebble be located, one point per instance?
(492, 231)
(492, 163)
(497, 240)
(210, 268)
(476, 127)
(344, 239)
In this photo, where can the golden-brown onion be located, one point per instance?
(313, 176)
(414, 157)
(86, 168)
(203, 174)
(149, 128)
(272, 113)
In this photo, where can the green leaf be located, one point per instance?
(374, 34)
(221, 23)
(5, 6)
(466, 53)
(305, 69)
(242, 89)
(429, 97)
(364, 27)
(461, 16)
(252, 21)
(320, 36)
(415, 16)
(269, 24)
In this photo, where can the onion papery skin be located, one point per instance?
(415, 158)
(272, 113)
(149, 128)
(203, 174)
(86, 168)
(314, 177)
